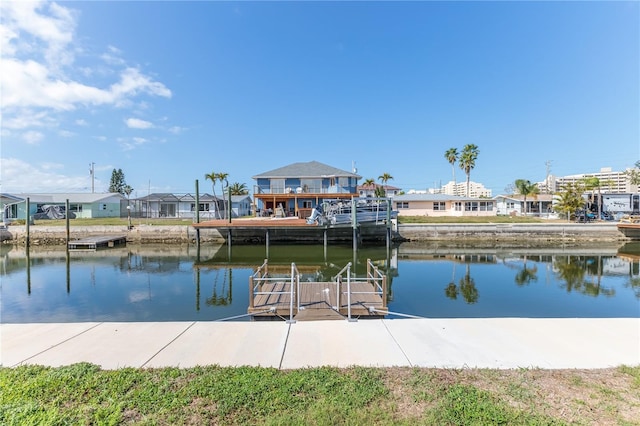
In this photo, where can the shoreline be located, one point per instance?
(414, 232)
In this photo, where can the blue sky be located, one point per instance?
(170, 91)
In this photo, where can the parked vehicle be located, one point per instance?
(584, 216)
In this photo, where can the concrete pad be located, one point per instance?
(114, 345)
(341, 344)
(585, 342)
(454, 343)
(519, 342)
(226, 344)
(20, 342)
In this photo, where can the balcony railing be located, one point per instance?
(334, 189)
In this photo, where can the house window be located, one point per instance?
(311, 185)
(204, 207)
(277, 186)
(439, 205)
(471, 206)
(511, 205)
(457, 206)
(402, 205)
(307, 204)
(75, 208)
(486, 206)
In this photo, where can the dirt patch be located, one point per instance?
(594, 397)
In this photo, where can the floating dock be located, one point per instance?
(287, 296)
(95, 243)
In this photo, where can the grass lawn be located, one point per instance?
(85, 394)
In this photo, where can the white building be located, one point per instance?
(460, 189)
(612, 182)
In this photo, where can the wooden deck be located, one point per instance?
(94, 243)
(318, 301)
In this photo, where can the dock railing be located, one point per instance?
(261, 276)
(376, 279)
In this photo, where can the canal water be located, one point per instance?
(185, 283)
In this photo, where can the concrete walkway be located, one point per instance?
(442, 343)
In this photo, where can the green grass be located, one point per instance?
(84, 394)
(475, 219)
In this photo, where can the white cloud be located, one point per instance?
(19, 176)
(81, 122)
(129, 145)
(28, 119)
(176, 130)
(136, 123)
(66, 133)
(32, 137)
(38, 74)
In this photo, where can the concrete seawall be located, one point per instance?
(512, 232)
(50, 235)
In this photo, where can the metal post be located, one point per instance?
(349, 294)
(291, 295)
(384, 291)
(354, 223)
(197, 205)
(28, 216)
(251, 291)
(229, 207)
(267, 242)
(66, 216)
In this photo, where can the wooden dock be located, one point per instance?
(289, 298)
(95, 243)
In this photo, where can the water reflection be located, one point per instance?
(170, 283)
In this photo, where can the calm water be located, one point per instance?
(167, 283)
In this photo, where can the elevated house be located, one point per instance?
(294, 190)
(443, 205)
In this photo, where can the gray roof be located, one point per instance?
(312, 169)
(84, 197)
(170, 197)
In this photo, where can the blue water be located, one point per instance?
(166, 283)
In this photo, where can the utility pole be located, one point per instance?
(93, 174)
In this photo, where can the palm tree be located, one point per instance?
(452, 156)
(238, 188)
(570, 199)
(384, 178)
(222, 177)
(525, 187)
(633, 175)
(468, 161)
(369, 182)
(213, 177)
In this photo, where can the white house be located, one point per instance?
(537, 205)
(82, 205)
(443, 205)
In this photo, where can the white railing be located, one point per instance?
(373, 277)
(261, 276)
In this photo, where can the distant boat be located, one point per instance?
(630, 227)
(340, 212)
